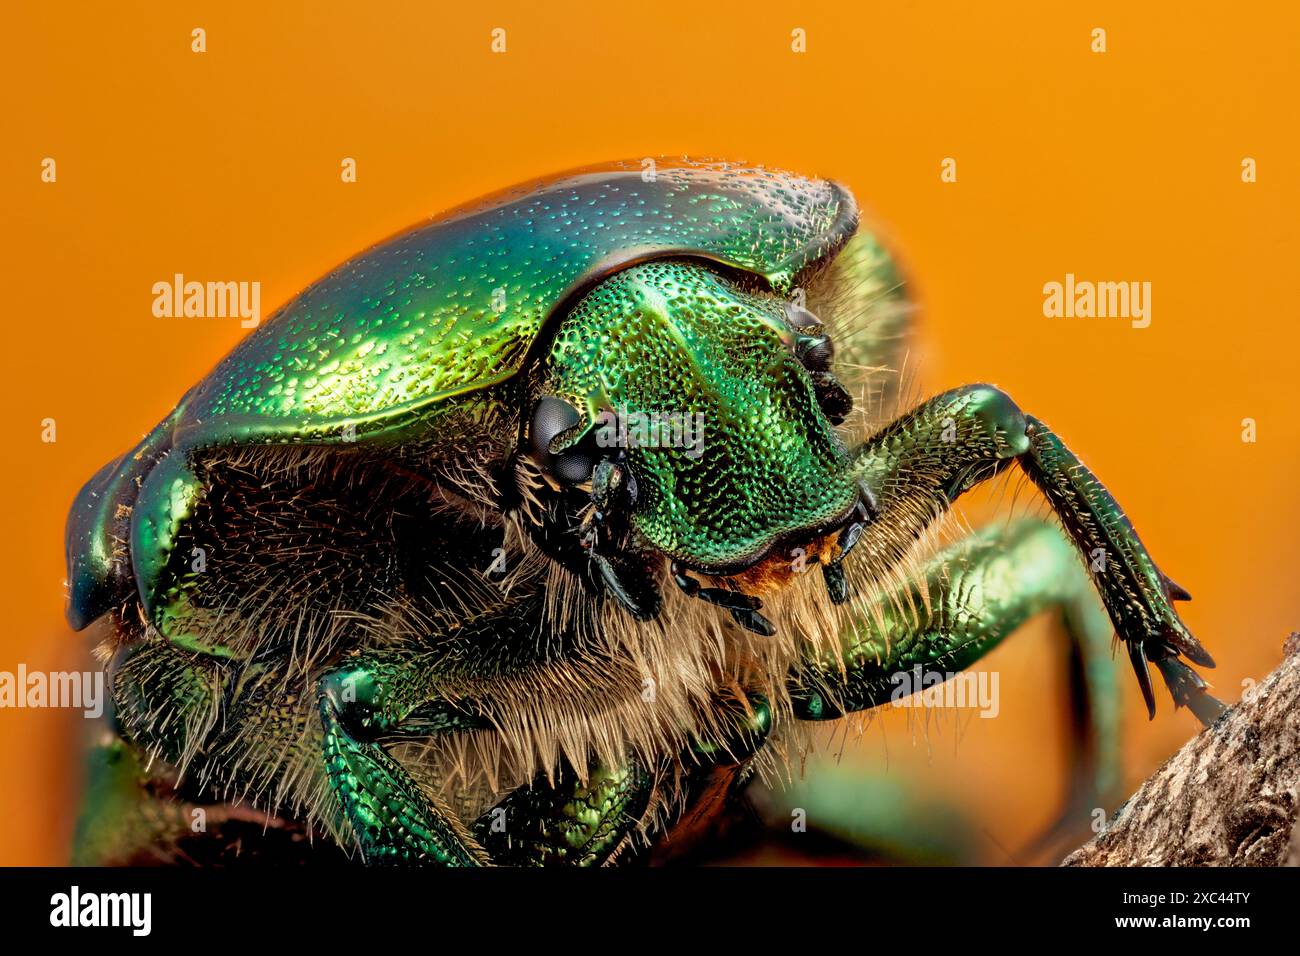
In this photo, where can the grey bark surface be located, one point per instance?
(1229, 797)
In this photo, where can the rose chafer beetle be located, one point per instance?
(385, 576)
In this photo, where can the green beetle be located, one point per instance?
(491, 545)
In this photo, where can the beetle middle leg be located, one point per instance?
(923, 461)
(964, 603)
(235, 723)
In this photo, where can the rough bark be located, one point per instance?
(1228, 798)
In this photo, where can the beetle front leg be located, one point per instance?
(1138, 595)
(920, 464)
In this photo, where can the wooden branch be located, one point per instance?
(1230, 797)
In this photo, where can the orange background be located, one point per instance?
(1118, 166)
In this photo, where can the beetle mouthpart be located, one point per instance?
(643, 606)
(753, 621)
(837, 588)
(622, 577)
(816, 352)
(613, 492)
(864, 512)
(832, 397)
(848, 538)
(743, 607)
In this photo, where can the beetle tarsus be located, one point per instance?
(1138, 655)
(1173, 590)
(1189, 690)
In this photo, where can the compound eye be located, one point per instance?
(812, 346)
(572, 467)
(815, 352)
(551, 418)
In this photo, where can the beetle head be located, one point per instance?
(699, 410)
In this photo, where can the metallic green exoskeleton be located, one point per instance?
(529, 533)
